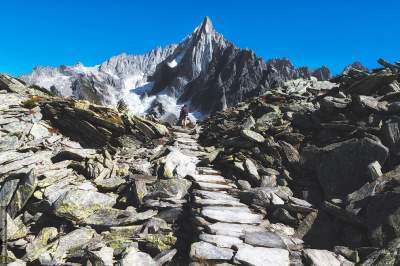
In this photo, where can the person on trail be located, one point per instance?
(183, 116)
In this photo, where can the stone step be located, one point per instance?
(232, 229)
(203, 251)
(213, 186)
(220, 240)
(217, 179)
(241, 215)
(185, 135)
(181, 129)
(214, 195)
(213, 202)
(207, 171)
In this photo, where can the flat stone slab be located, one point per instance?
(221, 240)
(208, 171)
(214, 195)
(212, 202)
(257, 256)
(213, 186)
(264, 239)
(321, 257)
(217, 179)
(205, 251)
(232, 215)
(235, 230)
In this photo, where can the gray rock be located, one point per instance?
(39, 131)
(74, 240)
(341, 167)
(165, 256)
(77, 204)
(321, 257)
(103, 256)
(264, 239)
(259, 256)
(205, 251)
(176, 164)
(133, 257)
(214, 195)
(253, 136)
(240, 215)
(383, 218)
(375, 170)
(290, 153)
(244, 185)
(249, 123)
(234, 230)
(220, 240)
(8, 189)
(252, 172)
(175, 188)
(391, 136)
(211, 202)
(41, 243)
(106, 217)
(214, 187)
(23, 193)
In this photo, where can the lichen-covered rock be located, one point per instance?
(77, 204)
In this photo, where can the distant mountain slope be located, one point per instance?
(205, 70)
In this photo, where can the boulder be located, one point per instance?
(23, 193)
(205, 251)
(383, 218)
(133, 256)
(253, 136)
(321, 258)
(77, 204)
(342, 167)
(176, 164)
(169, 188)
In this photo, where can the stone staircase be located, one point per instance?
(227, 231)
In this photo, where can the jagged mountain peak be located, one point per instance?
(205, 70)
(206, 26)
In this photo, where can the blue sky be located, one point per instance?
(313, 33)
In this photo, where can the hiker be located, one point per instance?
(183, 116)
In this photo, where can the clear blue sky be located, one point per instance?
(314, 32)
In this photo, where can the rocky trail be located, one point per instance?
(226, 231)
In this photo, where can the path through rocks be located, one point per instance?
(225, 230)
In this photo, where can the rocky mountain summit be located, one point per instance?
(203, 66)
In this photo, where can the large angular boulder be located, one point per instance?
(177, 164)
(171, 188)
(77, 204)
(342, 167)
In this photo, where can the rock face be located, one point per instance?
(203, 66)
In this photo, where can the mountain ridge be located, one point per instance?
(173, 75)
